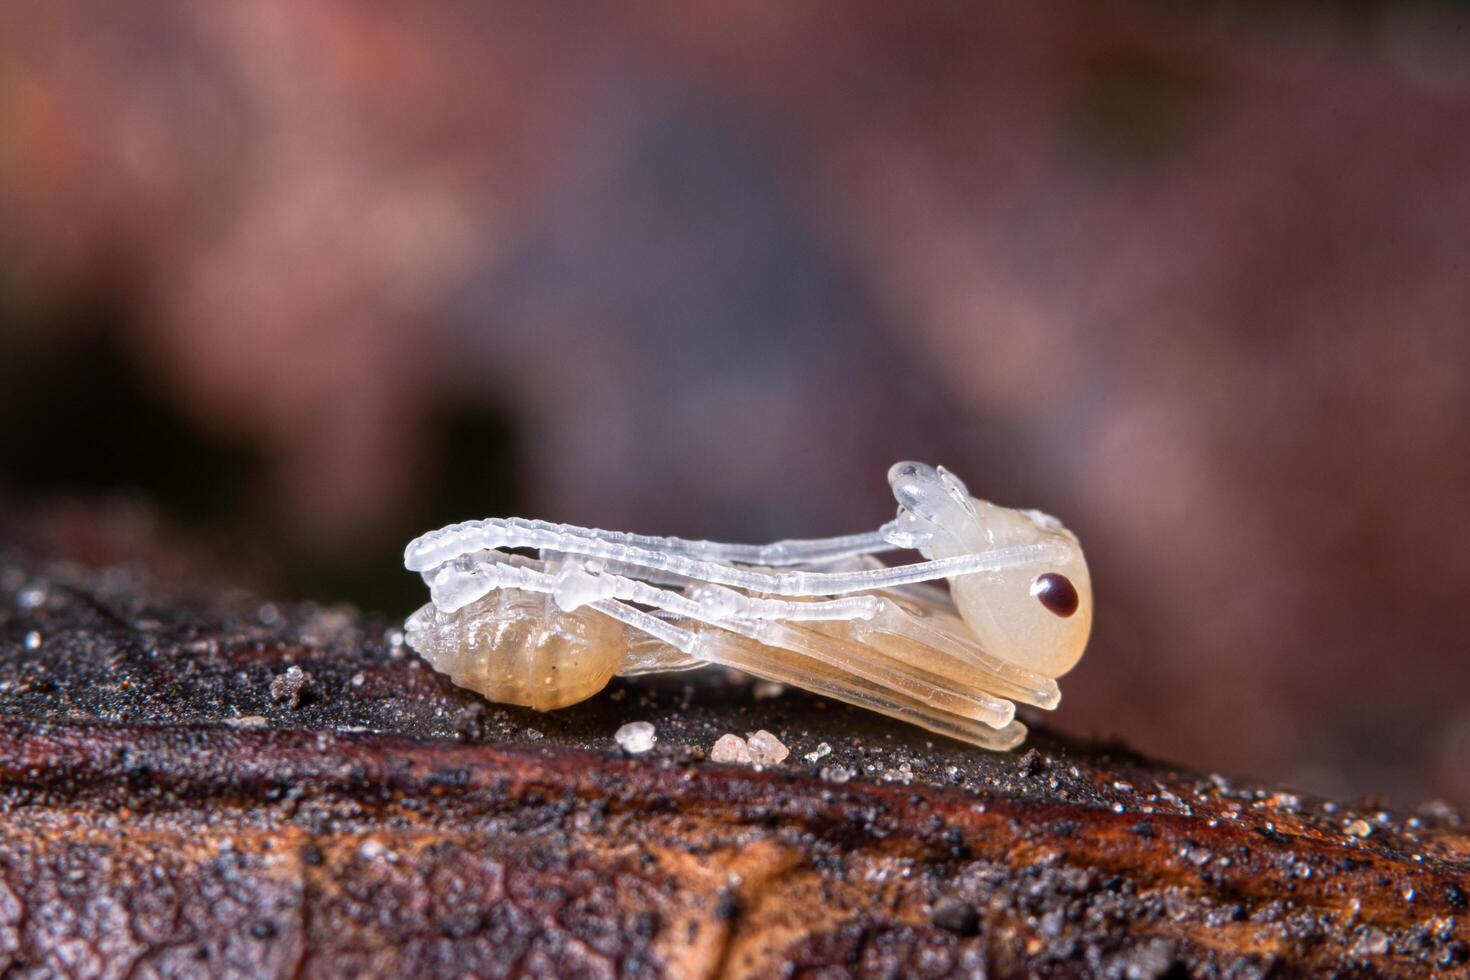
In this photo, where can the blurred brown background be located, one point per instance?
(311, 278)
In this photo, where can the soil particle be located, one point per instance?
(291, 687)
(958, 917)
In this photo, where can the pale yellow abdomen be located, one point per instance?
(521, 648)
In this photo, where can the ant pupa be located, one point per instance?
(826, 615)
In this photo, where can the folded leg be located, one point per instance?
(471, 577)
(449, 542)
(785, 667)
(428, 552)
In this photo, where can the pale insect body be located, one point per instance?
(825, 615)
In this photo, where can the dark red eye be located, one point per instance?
(1057, 593)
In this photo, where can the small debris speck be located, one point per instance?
(820, 752)
(766, 749)
(836, 774)
(1454, 953)
(903, 774)
(290, 686)
(1371, 942)
(372, 850)
(33, 640)
(1441, 811)
(469, 723)
(764, 690)
(1360, 828)
(958, 917)
(729, 748)
(636, 737)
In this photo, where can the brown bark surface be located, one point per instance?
(173, 802)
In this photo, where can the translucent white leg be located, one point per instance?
(788, 668)
(999, 677)
(649, 575)
(680, 639)
(743, 653)
(936, 598)
(467, 578)
(438, 546)
(647, 655)
(792, 551)
(879, 668)
(808, 583)
(843, 563)
(428, 552)
(868, 663)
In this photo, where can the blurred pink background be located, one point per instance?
(315, 277)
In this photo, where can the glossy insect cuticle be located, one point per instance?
(541, 614)
(1057, 593)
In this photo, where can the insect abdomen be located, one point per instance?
(521, 648)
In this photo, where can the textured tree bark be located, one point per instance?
(175, 800)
